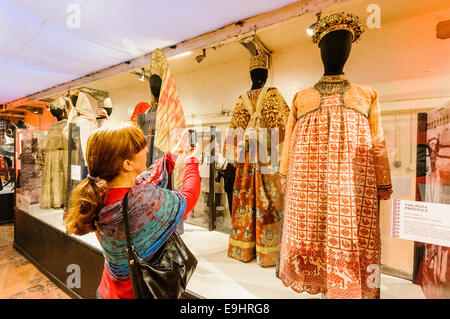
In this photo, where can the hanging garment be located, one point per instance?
(84, 117)
(170, 123)
(140, 108)
(54, 175)
(331, 235)
(257, 196)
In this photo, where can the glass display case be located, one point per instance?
(212, 209)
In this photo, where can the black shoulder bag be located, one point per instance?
(166, 275)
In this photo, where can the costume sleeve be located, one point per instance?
(275, 112)
(383, 172)
(238, 124)
(292, 120)
(191, 185)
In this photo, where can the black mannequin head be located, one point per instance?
(60, 114)
(74, 99)
(259, 78)
(335, 49)
(21, 124)
(155, 85)
(108, 110)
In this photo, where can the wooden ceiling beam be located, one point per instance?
(230, 32)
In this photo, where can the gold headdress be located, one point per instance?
(338, 21)
(158, 65)
(260, 61)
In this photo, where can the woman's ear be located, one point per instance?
(127, 166)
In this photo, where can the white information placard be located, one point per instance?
(75, 172)
(421, 221)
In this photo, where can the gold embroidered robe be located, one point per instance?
(257, 198)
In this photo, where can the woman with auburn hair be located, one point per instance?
(116, 159)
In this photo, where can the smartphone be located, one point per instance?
(192, 138)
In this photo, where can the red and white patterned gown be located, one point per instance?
(331, 236)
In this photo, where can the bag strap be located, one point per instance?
(126, 221)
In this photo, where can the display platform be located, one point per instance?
(41, 237)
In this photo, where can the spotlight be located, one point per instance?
(200, 58)
(310, 30)
(142, 76)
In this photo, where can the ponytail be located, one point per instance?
(106, 150)
(85, 203)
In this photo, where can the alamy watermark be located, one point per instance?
(73, 20)
(74, 279)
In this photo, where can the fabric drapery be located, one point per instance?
(257, 197)
(331, 236)
(170, 122)
(140, 108)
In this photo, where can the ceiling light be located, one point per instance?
(310, 30)
(142, 76)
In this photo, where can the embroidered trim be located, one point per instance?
(347, 107)
(330, 84)
(384, 186)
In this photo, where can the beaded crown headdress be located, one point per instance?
(260, 61)
(338, 21)
(158, 65)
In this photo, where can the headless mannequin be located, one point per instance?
(335, 49)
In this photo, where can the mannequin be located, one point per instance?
(21, 124)
(335, 49)
(255, 229)
(60, 114)
(108, 110)
(74, 98)
(155, 82)
(104, 112)
(53, 148)
(335, 169)
(259, 78)
(83, 116)
(155, 86)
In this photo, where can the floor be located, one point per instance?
(19, 279)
